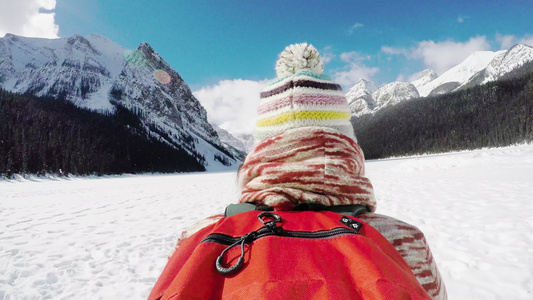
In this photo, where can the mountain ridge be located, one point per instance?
(96, 73)
(478, 68)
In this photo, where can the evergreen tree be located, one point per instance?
(491, 115)
(43, 135)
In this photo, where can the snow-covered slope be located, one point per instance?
(516, 56)
(393, 93)
(105, 238)
(232, 143)
(96, 73)
(424, 78)
(504, 63)
(73, 68)
(478, 68)
(455, 76)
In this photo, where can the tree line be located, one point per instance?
(51, 136)
(491, 115)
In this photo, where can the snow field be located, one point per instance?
(475, 210)
(98, 238)
(105, 238)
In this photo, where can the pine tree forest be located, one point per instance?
(49, 136)
(491, 115)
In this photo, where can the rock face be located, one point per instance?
(502, 64)
(366, 98)
(360, 97)
(393, 93)
(236, 146)
(478, 68)
(95, 73)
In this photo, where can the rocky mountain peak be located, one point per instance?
(145, 48)
(95, 73)
(478, 68)
(359, 97)
(394, 92)
(80, 43)
(424, 78)
(505, 62)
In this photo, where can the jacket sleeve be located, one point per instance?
(413, 247)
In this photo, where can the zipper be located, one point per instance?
(225, 239)
(270, 221)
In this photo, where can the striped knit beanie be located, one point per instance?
(301, 96)
(305, 148)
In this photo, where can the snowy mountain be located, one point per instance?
(478, 68)
(503, 63)
(240, 144)
(95, 73)
(365, 97)
(394, 92)
(360, 97)
(233, 144)
(453, 78)
(247, 140)
(424, 78)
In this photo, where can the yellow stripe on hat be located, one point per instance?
(304, 115)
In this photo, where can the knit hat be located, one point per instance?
(305, 148)
(301, 96)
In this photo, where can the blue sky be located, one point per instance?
(223, 46)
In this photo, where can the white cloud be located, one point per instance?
(441, 56)
(401, 77)
(527, 39)
(507, 41)
(30, 18)
(461, 19)
(354, 27)
(394, 51)
(232, 104)
(354, 70)
(327, 55)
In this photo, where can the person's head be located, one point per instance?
(305, 148)
(301, 96)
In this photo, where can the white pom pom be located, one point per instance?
(299, 57)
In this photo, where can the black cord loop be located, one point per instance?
(270, 221)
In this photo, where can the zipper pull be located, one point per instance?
(353, 224)
(270, 220)
(245, 239)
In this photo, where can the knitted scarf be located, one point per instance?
(308, 164)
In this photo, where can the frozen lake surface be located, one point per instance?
(108, 238)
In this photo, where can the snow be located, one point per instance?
(105, 238)
(361, 89)
(99, 100)
(474, 63)
(51, 66)
(112, 54)
(393, 93)
(424, 78)
(504, 63)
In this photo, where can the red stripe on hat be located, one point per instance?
(301, 99)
